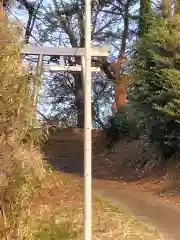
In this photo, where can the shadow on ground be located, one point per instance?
(64, 151)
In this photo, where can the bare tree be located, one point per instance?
(64, 25)
(115, 70)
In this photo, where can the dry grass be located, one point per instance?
(58, 212)
(21, 164)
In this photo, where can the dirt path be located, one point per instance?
(133, 200)
(149, 209)
(67, 156)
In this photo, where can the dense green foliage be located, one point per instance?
(156, 87)
(123, 125)
(145, 9)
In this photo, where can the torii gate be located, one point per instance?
(61, 51)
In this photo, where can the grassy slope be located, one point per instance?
(57, 213)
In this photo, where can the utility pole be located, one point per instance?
(86, 54)
(87, 127)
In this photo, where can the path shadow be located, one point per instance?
(64, 152)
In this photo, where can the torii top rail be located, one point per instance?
(61, 51)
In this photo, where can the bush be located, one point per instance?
(21, 165)
(122, 125)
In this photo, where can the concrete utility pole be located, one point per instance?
(87, 127)
(86, 54)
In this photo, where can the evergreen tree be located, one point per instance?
(166, 8)
(145, 8)
(156, 87)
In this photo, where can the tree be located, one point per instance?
(176, 7)
(60, 23)
(116, 69)
(166, 5)
(156, 87)
(60, 92)
(64, 24)
(3, 5)
(145, 8)
(32, 9)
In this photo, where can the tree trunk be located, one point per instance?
(166, 8)
(145, 8)
(121, 92)
(79, 98)
(121, 89)
(176, 7)
(1, 10)
(28, 30)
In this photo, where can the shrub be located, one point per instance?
(21, 165)
(122, 125)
